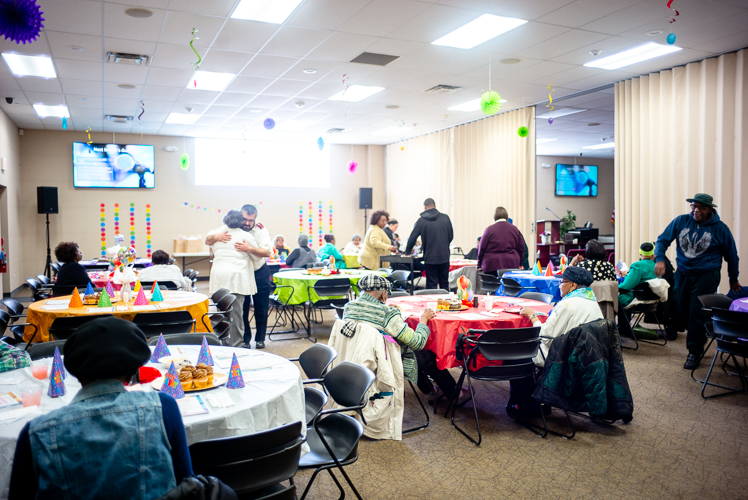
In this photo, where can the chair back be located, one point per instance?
(193, 275)
(162, 285)
(187, 272)
(501, 272)
(62, 290)
(33, 284)
(332, 287)
(730, 325)
(398, 293)
(315, 360)
(643, 292)
(226, 302)
(540, 297)
(505, 344)
(218, 295)
(55, 267)
(431, 291)
(46, 349)
(63, 327)
(4, 321)
(186, 339)
(347, 384)
(386, 270)
(574, 252)
(399, 279)
(489, 283)
(512, 287)
(712, 300)
(166, 322)
(15, 308)
(43, 279)
(250, 463)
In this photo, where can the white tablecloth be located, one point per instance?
(271, 397)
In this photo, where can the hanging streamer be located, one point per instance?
(320, 225)
(88, 131)
(103, 229)
(195, 65)
(116, 219)
(132, 225)
(142, 110)
(148, 230)
(329, 218)
(345, 82)
(64, 123)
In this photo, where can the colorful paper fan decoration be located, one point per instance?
(58, 359)
(236, 381)
(184, 161)
(56, 382)
(523, 131)
(89, 289)
(321, 143)
(205, 356)
(352, 167)
(104, 301)
(160, 350)
(269, 123)
(75, 300)
(490, 102)
(171, 386)
(20, 20)
(109, 289)
(141, 299)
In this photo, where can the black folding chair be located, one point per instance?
(540, 297)
(637, 312)
(512, 287)
(400, 280)
(16, 329)
(731, 334)
(166, 322)
(46, 349)
(63, 327)
(315, 361)
(330, 293)
(37, 292)
(708, 303)
(285, 312)
(489, 283)
(186, 339)
(220, 320)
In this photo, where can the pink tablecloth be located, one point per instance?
(458, 263)
(445, 327)
(99, 280)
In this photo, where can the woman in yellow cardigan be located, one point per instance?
(376, 242)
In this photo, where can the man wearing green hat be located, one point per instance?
(703, 241)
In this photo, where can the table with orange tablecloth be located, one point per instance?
(445, 327)
(43, 312)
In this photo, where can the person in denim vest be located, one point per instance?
(108, 442)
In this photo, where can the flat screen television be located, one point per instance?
(99, 165)
(576, 180)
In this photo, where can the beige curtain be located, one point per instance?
(680, 132)
(469, 170)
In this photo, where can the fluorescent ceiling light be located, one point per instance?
(30, 65)
(557, 113)
(473, 105)
(182, 118)
(356, 93)
(294, 125)
(543, 141)
(608, 145)
(208, 80)
(478, 31)
(266, 11)
(391, 131)
(632, 56)
(56, 111)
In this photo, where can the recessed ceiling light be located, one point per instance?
(543, 141)
(84, 98)
(30, 65)
(473, 105)
(266, 11)
(391, 131)
(56, 111)
(356, 93)
(608, 145)
(557, 113)
(632, 56)
(654, 33)
(77, 48)
(139, 13)
(478, 31)
(209, 80)
(126, 86)
(511, 60)
(310, 71)
(255, 110)
(392, 106)
(182, 118)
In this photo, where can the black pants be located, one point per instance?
(442, 378)
(624, 327)
(521, 391)
(261, 302)
(437, 276)
(688, 287)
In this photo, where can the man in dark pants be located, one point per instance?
(703, 241)
(435, 230)
(261, 300)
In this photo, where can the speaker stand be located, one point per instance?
(48, 264)
(366, 219)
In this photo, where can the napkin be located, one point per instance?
(13, 415)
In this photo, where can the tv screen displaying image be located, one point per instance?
(98, 165)
(576, 180)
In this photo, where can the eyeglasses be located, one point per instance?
(564, 282)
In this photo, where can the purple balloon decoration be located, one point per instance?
(269, 123)
(20, 20)
(550, 121)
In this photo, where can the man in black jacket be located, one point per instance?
(435, 230)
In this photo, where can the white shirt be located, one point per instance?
(262, 237)
(568, 314)
(351, 248)
(165, 272)
(232, 269)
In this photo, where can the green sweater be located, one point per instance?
(639, 272)
(329, 250)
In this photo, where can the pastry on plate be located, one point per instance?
(209, 370)
(200, 378)
(185, 378)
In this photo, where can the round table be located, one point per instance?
(739, 305)
(43, 312)
(271, 397)
(445, 327)
(545, 284)
(460, 263)
(301, 281)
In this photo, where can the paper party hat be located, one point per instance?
(205, 356)
(171, 386)
(110, 289)
(89, 289)
(153, 287)
(56, 383)
(156, 297)
(141, 299)
(104, 301)
(549, 269)
(236, 381)
(137, 286)
(161, 349)
(57, 358)
(536, 269)
(75, 300)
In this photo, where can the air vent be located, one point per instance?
(125, 58)
(337, 130)
(375, 59)
(118, 118)
(449, 89)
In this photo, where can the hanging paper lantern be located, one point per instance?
(352, 166)
(671, 38)
(184, 161)
(490, 102)
(523, 131)
(550, 121)
(20, 20)
(269, 123)
(321, 143)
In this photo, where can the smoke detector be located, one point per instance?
(337, 130)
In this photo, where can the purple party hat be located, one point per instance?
(236, 381)
(161, 350)
(172, 386)
(205, 356)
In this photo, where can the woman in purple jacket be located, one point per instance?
(501, 246)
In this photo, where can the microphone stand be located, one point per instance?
(48, 264)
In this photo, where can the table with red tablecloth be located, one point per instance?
(460, 263)
(446, 326)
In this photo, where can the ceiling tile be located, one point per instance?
(60, 44)
(117, 24)
(173, 56)
(246, 36)
(446, 59)
(383, 17)
(224, 61)
(322, 91)
(78, 70)
(628, 18)
(158, 106)
(286, 87)
(220, 8)
(270, 66)
(583, 12)
(31, 84)
(266, 102)
(328, 15)
(609, 46)
(220, 111)
(86, 112)
(72, 16)
(112, 105)
(92, 102)
(128, 46)
(195, 96)
(323, 68)
(45, 98)
(354, 74)
(248, 84)
(343, 47)
(125, 73)
(294, 42)
(112, 90)
(9, 82)
(520, 38)
(17, 108)
(233, 99)
(566, 42)
(167, 77)
(161, 93)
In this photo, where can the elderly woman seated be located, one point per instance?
(354, 246)
(303, 256)
(329, 250)
(71, 273)
(162, 270)
(577, 307)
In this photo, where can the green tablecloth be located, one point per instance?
(300, 281)
(351, 261)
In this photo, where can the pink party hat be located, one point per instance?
(161, 349)
(140, 300)
(56, 383)
(205, 356)
(110, 289)
(236, 381)
(172, 386)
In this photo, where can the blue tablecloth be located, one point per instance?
(544, 284)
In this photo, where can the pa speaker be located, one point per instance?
(364, 198)
(46, 200)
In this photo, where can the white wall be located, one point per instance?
(10, 218)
